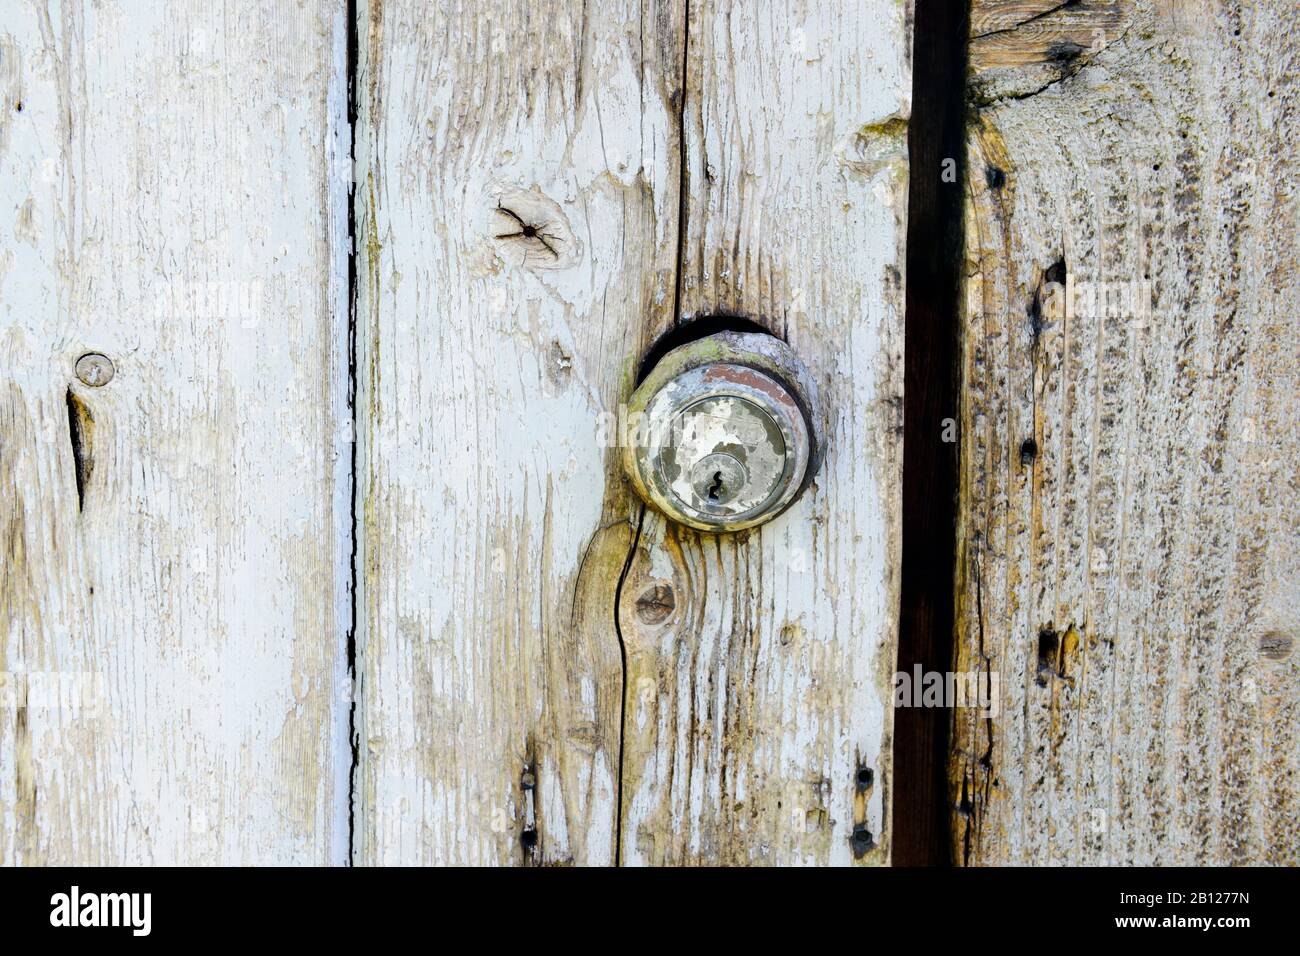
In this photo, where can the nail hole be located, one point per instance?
(539, 232)
(862, 841)
(865, 778)
(528, 839)
(1028, 451)
(1049, 643)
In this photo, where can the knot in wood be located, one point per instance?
(655, 604)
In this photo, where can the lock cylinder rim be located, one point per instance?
(723, 366)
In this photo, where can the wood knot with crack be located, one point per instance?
(531, 230)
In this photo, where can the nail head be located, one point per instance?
(94, 369)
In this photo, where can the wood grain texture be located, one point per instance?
(493, 361)
(1020, 47)
(1130, 544)
(758, 711)
(171, 661)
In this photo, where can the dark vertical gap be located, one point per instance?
(352, 56)
(930, 480)
(683, 179)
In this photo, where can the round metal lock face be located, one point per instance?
(721, 447)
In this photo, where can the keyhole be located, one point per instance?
(716, 488)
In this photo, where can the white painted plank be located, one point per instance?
(171, 195)
(489, 667)
(753, 708)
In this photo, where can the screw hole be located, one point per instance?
(862, 841)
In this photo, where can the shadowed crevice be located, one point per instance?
(80, 426)
(937, 150)
(352, 67)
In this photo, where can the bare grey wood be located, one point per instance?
(1130, 544)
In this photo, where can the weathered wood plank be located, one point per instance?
(172, 553)
(495, 522)
(759, 709)
(1130, 541)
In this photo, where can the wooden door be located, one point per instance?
(547, 672)
(318, 320)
